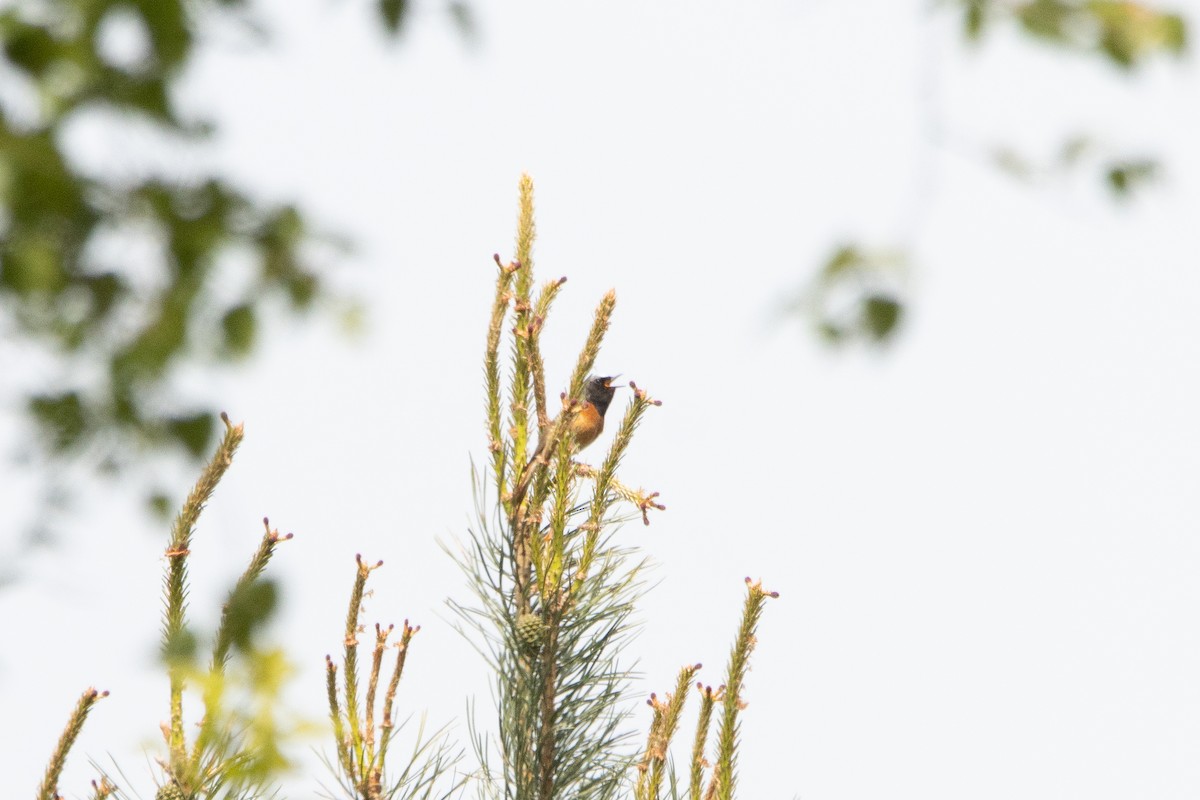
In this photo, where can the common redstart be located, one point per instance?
(588, 422)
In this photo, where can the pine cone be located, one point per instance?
(170, 791)
(531, 631)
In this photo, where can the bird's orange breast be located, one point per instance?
(587, 425)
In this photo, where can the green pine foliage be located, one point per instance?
(555, 593)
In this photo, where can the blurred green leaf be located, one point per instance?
(833, 334)
(62, 418)
(193, 431)
(1123, 31)
(1132, 31)
(1174, 33)
(1045, 18)
(250, 607)
(974, 18)
(158, 343)
(302, 288)
(28, 47)
(170, 35)
(239, 326)
(1073, 149)
(283, 229)
(394, 13)
(855, 295)
(40, 191)
(149, 96)
(104, 292)
(32, 265)
(1126, 177)
(1119, 46)
(463, 17)
(180, 648)
(881, 315)
(160, 505)
(842, 260)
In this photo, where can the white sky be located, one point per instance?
(984, 536)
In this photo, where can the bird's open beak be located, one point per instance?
(608, 384)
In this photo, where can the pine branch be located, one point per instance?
(708, 699)
(537, 367)
(523, 328)
(258, 564)
(364, 733)
(725, 773)
(663, 726)
(491, 372)
(49, 788)
(176, 588)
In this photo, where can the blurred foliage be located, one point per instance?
(395, 15)
(59, 289)
(116, 328)
(1126, 176)
(1123, 175)
(857, 294)
(250, 607)
(1121, 31)
(239, 749)
(851, 298)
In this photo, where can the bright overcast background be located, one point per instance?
(984, 536)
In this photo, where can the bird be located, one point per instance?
(584, 427)
(588, 422)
